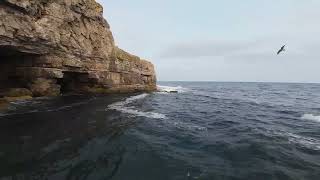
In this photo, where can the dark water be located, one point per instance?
(223, 131)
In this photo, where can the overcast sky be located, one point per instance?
(214, 40)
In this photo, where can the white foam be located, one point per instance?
(169, 89)
(123, 106)
(311, 117)
(305, 141)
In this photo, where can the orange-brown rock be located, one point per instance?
(51, 47)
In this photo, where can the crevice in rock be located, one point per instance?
(73, 82)
(13, 6)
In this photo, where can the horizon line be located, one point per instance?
(279, 82)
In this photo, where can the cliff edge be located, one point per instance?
(50, 47)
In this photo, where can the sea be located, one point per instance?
(185, 131)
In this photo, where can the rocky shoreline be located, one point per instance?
(48, 48)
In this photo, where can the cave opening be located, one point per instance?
(10, 59)
(16, 72)
(73, 82)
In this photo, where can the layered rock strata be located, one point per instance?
(49, 47)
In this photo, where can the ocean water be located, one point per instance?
(209, 131)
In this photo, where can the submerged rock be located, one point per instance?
(52, 47)
(13, 94)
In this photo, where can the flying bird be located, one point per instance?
(281, 50)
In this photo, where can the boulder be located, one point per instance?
(44, 87)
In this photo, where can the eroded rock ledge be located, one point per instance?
(49, 47)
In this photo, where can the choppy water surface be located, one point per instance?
(229, 131)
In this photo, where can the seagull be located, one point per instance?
(282, 49)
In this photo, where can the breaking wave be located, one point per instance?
(170, 89)
(311, 117)
(124, 107)
(304, 141)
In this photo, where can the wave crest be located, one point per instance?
(123, 106)
(311, 117)
(170, 89)
(305, 141)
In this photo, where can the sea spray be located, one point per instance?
(168, 89)
(124, 107)
(311, 117)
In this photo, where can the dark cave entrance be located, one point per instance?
(73, 82)
(14, 74)
(10, 59)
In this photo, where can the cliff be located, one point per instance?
(49, 47)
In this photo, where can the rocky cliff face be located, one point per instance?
(49, 47)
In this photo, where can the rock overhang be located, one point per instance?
(47, 47)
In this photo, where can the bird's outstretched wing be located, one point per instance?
(282, 49)
(279, 52)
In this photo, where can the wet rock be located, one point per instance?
(12, 99)
(16, 92)
(4, 104)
